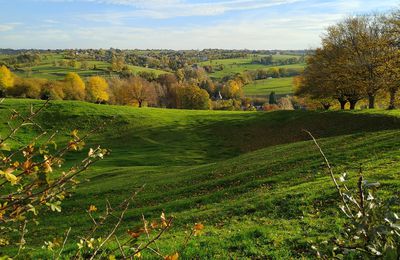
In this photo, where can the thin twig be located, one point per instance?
(30, 117)
(112, 231)
(331, 174)
(63, 245)
(22, 240)
(120, 247)
(169, 223)
(361, 194)
(147, 233)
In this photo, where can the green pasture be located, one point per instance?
(254, 179)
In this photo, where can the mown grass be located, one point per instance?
(262, 88)
(252, 178)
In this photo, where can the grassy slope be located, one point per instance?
(233, 66)
(281, 86)
(46, 69)
(250, 177)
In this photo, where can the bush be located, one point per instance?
(29, 88)
(53, 90)
(371, 230)
(230, 105)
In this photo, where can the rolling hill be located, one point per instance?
(48, 69)
(262, 88)
(239, 65)
(252, 178)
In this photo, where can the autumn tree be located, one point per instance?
(273, 72)
(97, 89)
(208, 85)
(356, 60)
(27, 87)
(392, 60)
(180, 75)
(74, 87)
(232, 89)
(323, 78)
(53, 90)
(6, 79)
(365, 45)
(192, 97)
(139, 90)
(167, 90)
(117, 63)
(117, 91)
(330, 74)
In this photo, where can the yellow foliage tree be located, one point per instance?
(97, 89)
(6, 79)
(232, 89)
(74, 87)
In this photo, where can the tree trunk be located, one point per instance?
(326, 106)
(353, 104)
(392, 99)
(371, 100)
(140, 102)
(342, 103)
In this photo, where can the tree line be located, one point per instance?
(269, 60)
(167, 91)
(359, 60)
(187, 88)
(168, 60)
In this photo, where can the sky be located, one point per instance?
(175, 24)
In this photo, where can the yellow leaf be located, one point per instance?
(198, 226)
(163, 220)
(9, 176)
(74, 133)
(92, 208)
(72, 146)
(47, 165)
(172, 257)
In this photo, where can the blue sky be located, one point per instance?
(174, 24)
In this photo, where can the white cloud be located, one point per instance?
(51, 21)
(163, 9)
(5, 27)
(8, 27)
(295, 27)
(273, 32)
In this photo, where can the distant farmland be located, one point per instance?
(48, 69)
(281, 86)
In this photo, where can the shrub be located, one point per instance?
(371, 230)
(29, 88)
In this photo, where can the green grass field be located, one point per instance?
(233, 66)
(47, 69)
(252, 178)
(262, 88)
